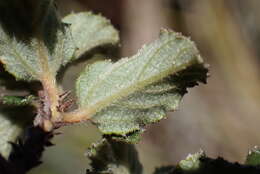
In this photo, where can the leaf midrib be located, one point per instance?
(92, 109)
(114, 67)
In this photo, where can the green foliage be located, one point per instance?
(12, 123)
(48, 44)
(35, 43)
(133, 92)
(121, 97)
(199, 163)
(8, 133)
(113, 157)
(253, 157)
(90, 31)
(42, 44)
(17, 100)
(192, 162)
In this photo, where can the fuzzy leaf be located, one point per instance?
(9, 131)
(192, 162)
(199, 163)
(253, 157)
(32, 39)
(125, 96)
(90, 31)
(113, 157)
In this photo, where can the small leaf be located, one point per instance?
(113, 157)
(199, 163)
(192, 162)
(17, 100)
(125, 96)
(10, 129)
(27, 151)
(90, 31)
(253, 157)
(33, 41)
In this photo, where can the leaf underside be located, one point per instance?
(199, 163)
(11, 126)
(125, 96)
(8, 133)
(40, 43)
(44, 43)
(90, 31)
(34, 42)
(113, 157)
(15, 112)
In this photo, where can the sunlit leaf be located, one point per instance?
(125, 96)
(90, 31)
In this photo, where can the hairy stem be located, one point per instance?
(76, 116)
(52, 94)
(50, 89)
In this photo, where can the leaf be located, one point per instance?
(199, 163)
(125, 96)
(10, 129)
(17, 100)
(33, 41)
(27, 152)
(90, 31)
(113, 157)
(253, 157)
(192, 162)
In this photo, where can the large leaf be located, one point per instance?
(90, 31)
(125, 96)
(33, 41)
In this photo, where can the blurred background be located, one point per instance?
(222, 117)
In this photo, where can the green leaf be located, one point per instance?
(192, 162)
(11, 127)
(8, 133)
(33, 41)
(18, 100)
(125, 96)
(253, 157)
(113, 157)
(199, 163)
(90, 31)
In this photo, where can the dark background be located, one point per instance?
(222, 117)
